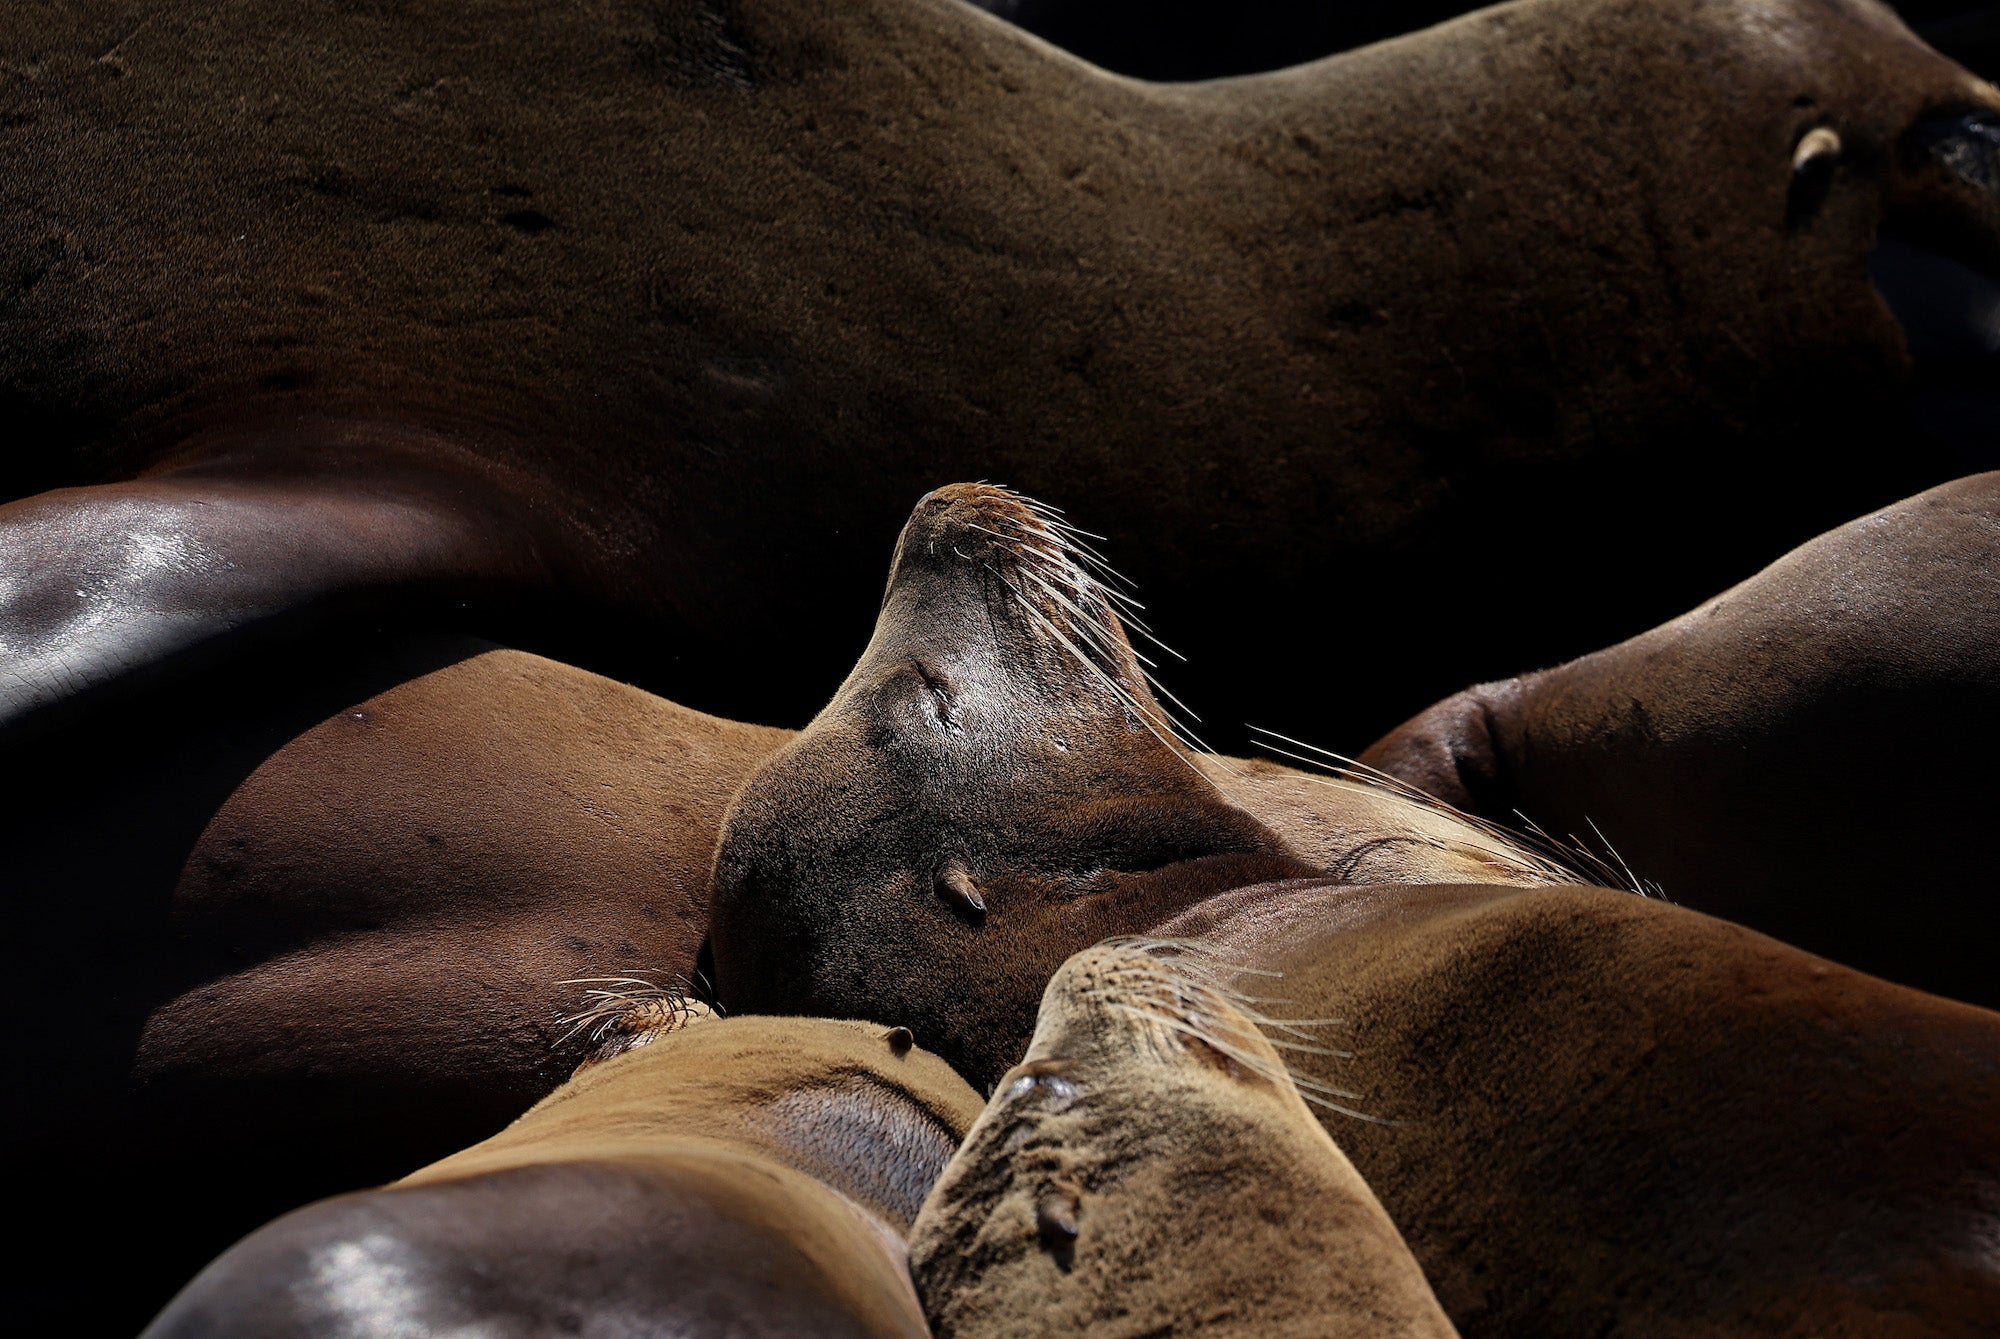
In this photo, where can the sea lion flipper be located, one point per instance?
(104, 584)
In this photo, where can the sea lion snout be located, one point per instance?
(1000, 584)
(1945, 193)
(1125, 998)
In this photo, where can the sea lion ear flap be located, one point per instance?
(1451, 751)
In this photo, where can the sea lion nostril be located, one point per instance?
(1966, 144)
(1055, 1222)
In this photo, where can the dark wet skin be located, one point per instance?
(571, 1249)
(1317, 331)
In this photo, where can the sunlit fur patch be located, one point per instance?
(1177, 986)
(624, 1013)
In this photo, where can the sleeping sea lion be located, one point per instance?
(344, 923)
(1602, 1110)
(1592, 1112)
(1150, 1169)
(1785, 754)
(734, 1179)
(996, 782)
(625, 326)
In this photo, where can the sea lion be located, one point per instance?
(1592, 1111)
(323, 310)
(1150, 1168)
(744, 1177)
(1602, 1110)
(349, 921)
(1784, 753)
(995, 781)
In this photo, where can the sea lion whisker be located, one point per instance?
(1310, 1090)
(1590, 861)
(1632, 880)
(628, 996)
(1530, 851)
(1110, 647)
(1180, 747)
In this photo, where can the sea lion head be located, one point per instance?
(1150, 1165)
(993, 787)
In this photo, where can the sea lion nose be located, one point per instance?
(1945, 196)
(970, 517)
(1967, 145)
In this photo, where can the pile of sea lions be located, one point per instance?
(441, 428)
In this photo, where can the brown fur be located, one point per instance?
(1610, 1113)
(1211, 39)
(746, 1177)
(342, 281)
(349, 889)
(1150, 1169)
(1784, 753)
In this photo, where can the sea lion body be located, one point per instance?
(1149, 1165)
(321, 310)
(1604, 1110)
(345, 923)
(1783, 753)
(742, 1177)
(1594, 1110)
(1200, 39)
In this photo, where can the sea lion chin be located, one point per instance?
(1151, 1166)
